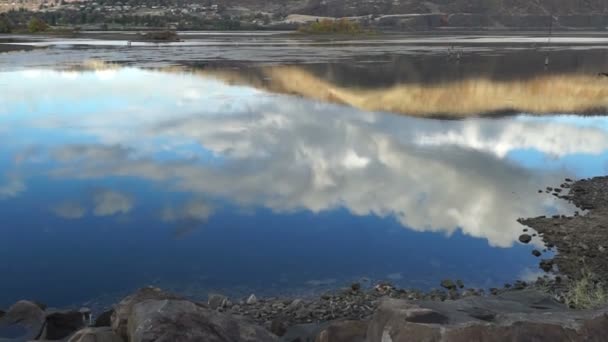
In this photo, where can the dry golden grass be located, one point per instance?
(548, 94)
(584, 293)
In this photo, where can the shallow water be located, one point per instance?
(112, 178)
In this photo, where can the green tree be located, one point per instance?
(5, 26)
(37, 25)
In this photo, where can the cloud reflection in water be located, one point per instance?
(287, 154)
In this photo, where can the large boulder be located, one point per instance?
(344, 331)
(23, 321)
(123, 310)
(181, 320)
(100, 334)
(514, 316)
(60, 325)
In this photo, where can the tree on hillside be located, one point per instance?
(37, 25)
(5, 27)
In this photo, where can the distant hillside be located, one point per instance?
(393, 14)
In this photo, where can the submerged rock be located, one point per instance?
(525, 238)
(536, 253)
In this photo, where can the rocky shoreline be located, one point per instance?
(151, 314)
(528, 311)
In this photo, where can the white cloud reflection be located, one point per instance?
(109, 202)
(11, 188)
(69, 210)
(291, 154)
(195, 210)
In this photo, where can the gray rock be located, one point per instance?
(524, 315)
(122, 310)
(295, 304)
(22, 322)
(252, 299)
(60, 325)
(99, 334)
(344, 331)
(217, 301)
(180, 320)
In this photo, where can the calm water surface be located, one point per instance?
(118, 177)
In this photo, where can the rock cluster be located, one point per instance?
(581, 238)
(151, 314)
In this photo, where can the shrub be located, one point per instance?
(332, 26)
(37, 25)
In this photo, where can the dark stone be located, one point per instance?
(481, 314)
(525, 230)
(62, 324)
(557, 190)
(536, 253)
(425, 316)
(1, 313)
(278, 326)
(568, 180)
(460, 284)
(104, 319)
(355, 287)
(546, 265)
(525, 238)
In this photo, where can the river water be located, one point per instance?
(220, 178)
